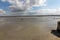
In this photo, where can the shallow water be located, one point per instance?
(28, 28)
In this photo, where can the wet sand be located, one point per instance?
(28, 28)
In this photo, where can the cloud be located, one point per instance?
(28, 2)
(10, 1)
(40, 3)
(2, 12)
(25, 4)
(19, 7)
(48, 11)
(16, 9)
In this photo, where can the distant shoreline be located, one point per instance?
(31, 16)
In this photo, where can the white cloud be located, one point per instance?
(10, 1)
(3, 0)
(27, 4)
(18, 6)
(40, 2)
(18, 2)
(2, 12)
(48, 11)
(14, 8)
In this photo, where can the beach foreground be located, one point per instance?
(28, 28)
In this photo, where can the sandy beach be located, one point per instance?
(28, 28)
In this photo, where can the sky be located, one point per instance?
(19, 7)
